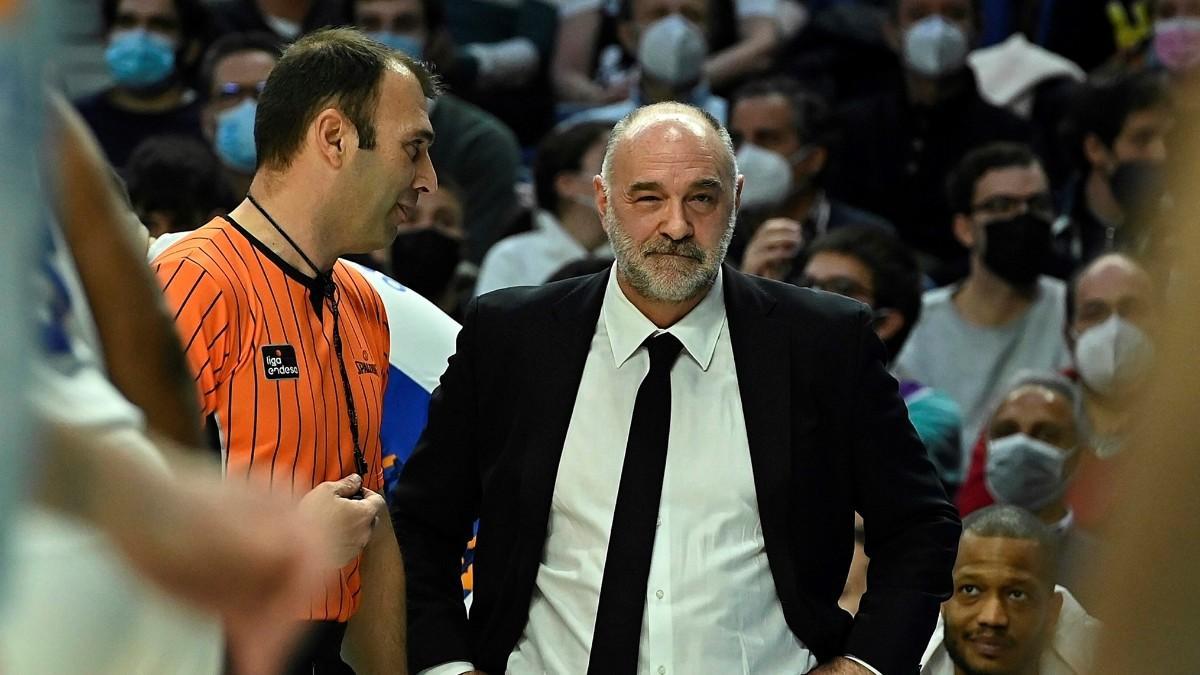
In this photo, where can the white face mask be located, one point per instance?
(935, 47)
(768, 177)
(672, 51)
(1112, 354)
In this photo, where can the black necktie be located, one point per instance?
(627, 566)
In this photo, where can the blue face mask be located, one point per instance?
(405, 44)
(138, 58)
(235, 136)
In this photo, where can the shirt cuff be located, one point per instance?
(855, 659)
(457, 668)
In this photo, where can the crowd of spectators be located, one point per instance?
(989, 177)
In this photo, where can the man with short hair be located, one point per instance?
(665, 457)
(898, 146)
(233, 73)
(872, 266)
(150, 48)
(779, 116)
(289, 346)
(1005, 316)
(567, 227)
(1006, 616)
(1118, 133)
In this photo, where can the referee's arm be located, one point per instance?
(375, 638)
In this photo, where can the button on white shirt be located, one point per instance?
(711, 600)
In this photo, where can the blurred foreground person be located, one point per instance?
(124, 564)
(1006, 616)
(288, 346)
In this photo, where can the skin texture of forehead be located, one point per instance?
(670, 125)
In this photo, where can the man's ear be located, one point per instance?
(601, 199)
(333, 135)
(1097, 153)
(208, 124)
(889, 323)
(1053, 610)
(737, 192)
(964, 231)
(815, 162)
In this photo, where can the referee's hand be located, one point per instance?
(347, 523)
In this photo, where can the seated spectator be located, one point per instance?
(1176, 48)
(286, 19)
(1007, 616)
(760, 25)
(1004, 317)
(496, 54)
(175, 185)
(1118, 137)
(427, 254)
(150, 47)
(1112, 313)
(473, 149)
(670, 48)
(778, 116)
(898, 146)
(234, 72)
(1035, 440)
(872, 266)
(567, 224)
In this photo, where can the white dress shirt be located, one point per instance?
(530, 258)
(711, 602)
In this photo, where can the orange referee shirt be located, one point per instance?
(260, 344)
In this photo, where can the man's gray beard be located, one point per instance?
(685, 281)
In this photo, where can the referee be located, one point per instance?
(288, 345)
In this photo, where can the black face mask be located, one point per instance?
(424, 260)
(1017, 249)
(1138, 187)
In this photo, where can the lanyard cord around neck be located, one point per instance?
(329, 291)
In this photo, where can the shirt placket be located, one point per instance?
(660, 652)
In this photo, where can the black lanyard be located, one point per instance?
(329, 291)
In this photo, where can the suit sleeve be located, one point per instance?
(202, 321)
(436, 502)
(911, 528)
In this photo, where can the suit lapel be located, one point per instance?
(763, 357)
(559, 353)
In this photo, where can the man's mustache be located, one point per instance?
(687, 249)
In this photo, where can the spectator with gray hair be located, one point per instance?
(1007, 616)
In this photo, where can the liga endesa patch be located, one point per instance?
(279, 362)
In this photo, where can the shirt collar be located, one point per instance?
(1064, 524)
(550, 227)
(628, 328)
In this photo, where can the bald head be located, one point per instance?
(1112, 284)
(672, 119)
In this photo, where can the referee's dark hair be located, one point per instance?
(337, 67)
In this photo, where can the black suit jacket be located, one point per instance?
(828, 435)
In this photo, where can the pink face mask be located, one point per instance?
(1177, 43)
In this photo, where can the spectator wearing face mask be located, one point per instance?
(427, 255)
(898, 146)
(760, 24)
(474, 149)
(872, 266)
(670, 53)
(151, 45)
(175, 185)
(1005, 316)
(1036, 437)
(286, 19)
(778, 116)
(567, 224)
(1112, 313)
(1118, 134)
(1176, 47)
(234, 72)
(1007, 616)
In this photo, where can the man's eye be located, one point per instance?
(1017, 594)
(647, 198)
(968, 589)
(703, 199)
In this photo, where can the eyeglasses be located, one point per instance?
(236, 91)
(1004, 206)
(840, 285)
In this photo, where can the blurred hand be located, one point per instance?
(346, 522)
(772, 248)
